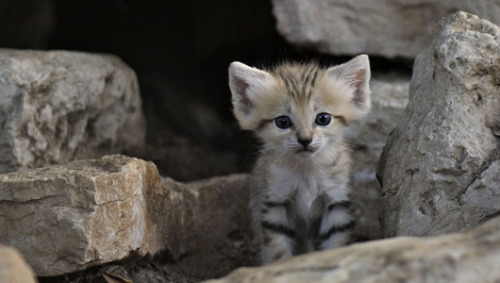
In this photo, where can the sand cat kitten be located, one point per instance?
(300, 184)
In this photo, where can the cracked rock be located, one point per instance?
(439, 169)
(66, 218)
(59, 106)
(86, 213)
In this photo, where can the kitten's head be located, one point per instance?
(300, 109)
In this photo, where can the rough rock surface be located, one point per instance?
(367, 138)
(382, 27)
(70, 217)
(89, 212)
(13, 268)
(441, 165)
(209, 226)
(466, 257)
(59, 106)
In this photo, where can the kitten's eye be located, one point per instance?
(283, 122)
(323, 119)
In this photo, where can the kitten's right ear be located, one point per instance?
(356, 74)
(247, 85)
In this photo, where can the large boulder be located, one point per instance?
(13, 267)
(465, 257)
(67, 218)
(59, 106)
(368, 137)
(385, 28)
(440, 170)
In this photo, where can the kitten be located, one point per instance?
(300, 195)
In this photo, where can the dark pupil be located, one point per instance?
(323, 119)
(283, 122)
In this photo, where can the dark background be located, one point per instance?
(180, 51)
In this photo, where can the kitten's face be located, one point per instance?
(301, 127)
(300, 110)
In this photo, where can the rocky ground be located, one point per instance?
(74, 207)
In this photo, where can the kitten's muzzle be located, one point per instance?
(304, 141)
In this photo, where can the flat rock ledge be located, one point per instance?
(466, 257)
(86, 213)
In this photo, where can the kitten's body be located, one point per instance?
(299, 185)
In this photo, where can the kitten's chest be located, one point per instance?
(303, 191)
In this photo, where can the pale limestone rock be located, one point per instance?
(13, 267)
(465, 257)
(59, 106)
(440, 166)
(385, 28)
(70, 217)
(66, 218)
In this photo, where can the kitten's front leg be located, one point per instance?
(278, 234)
(337, 224)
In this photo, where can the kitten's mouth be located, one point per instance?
(305, 150)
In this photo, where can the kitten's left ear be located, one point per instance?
(356, 73)
(249, 86)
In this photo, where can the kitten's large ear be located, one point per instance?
(247, 85)
(356, 74)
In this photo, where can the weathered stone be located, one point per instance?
(13, 268)
(440, 166)
(382, 27)
(85, 213)
(367, 137)
(466, 257)
(70, 217)
(208, 226)
(59, 106)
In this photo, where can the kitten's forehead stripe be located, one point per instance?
(307, 87)
(298, 79)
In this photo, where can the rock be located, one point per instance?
(383, 27)
(67, 218)
(13, 268)
(59, 106)
(367, 137)
(208, 226)
(440, 167)
(466, 257)
(70, 217)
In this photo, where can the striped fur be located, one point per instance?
(300, 196)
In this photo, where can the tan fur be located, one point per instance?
(299, 186)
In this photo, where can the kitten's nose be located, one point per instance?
(304, 141)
